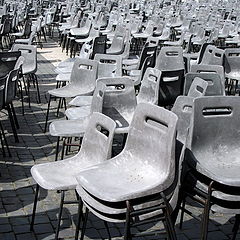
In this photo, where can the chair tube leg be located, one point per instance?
(205, 219)
(3, 150)
(34, 207)
(14, 115)
(236, 226)
(60, 214)
(57, 148)
(38, 92)
(46, 121)
(12, 124)
(80, 207)
(5, 140)
(127, 232)
(84, 224)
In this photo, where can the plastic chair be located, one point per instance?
(214, 88)
(96, 148)
(117, 46)
(231, 67)
(29, 67)
(212, 56)
(198, 87)
(160, 125)
(8, 61)
(170, 63)
(82, 82)
(99, 45)
(149, 89)
(108, 65)
(207, 154)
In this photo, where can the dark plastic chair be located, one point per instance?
(215, 86)
(8, 61)
(99, 45)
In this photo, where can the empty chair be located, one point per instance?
(99, 45)
(29, 67)
(109, 65)
(231, 67)
(149, 89)
(198, 87)
(215, 86)
(170, 63)
(212, 56)
(96, 147)
(212, 172)
(82, 82)
(117, 45)
(127, 171)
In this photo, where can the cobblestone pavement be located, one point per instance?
(17, 185)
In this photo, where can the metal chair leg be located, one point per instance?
(46, 121)
(12, 123)
(60, 214)
(5, 140)
(14, 115)
(127, 232)
(205, 220)
(84, 224)
(1, 140)
(57, 148)
(236, 226)
(34, 207)
(38, 92)
(80, 213)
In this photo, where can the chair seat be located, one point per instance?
(63, 77)
(130, 61)
(69, 128)
(80, 101)
(78, 112)
(134, 73)
(225, 167)
(80, 32)
(88, 39)
(71, 90)
(17, 34)
(141, 35)
(23, 40)
(27, 69)
(233, 75)
(59, 175)
(134, 184)
(63, 70)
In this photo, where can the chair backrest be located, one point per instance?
(29, 52)
(215, 86)
(2, 91)
(98, 137)
(84, 72)
(232, 60)
(8, 61)
(146, 52)
(27, 28)
(149, 89)
(157, 147)
(86, 51)
(213, 56)
(119, 98)
(109, 65)
(183, 108)
(170, 59)
(201, 68)
(98, 96)
(213, 130)
(11, 84)
(99, 45)
(198, 88)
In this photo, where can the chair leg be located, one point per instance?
(182, 212)
(84, 224)
(60, 214)
(127, 232)
(57, 148)
(46, 121)
(236, 226)
(107, 228)
(80, 212)
(63, 148)
(59, 105)
(34, 207)
(3, 150)
(36, 81)
(14, 115)
(5, 140)
(205, 220)
(12, 123)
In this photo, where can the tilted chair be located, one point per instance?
(96, 148)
